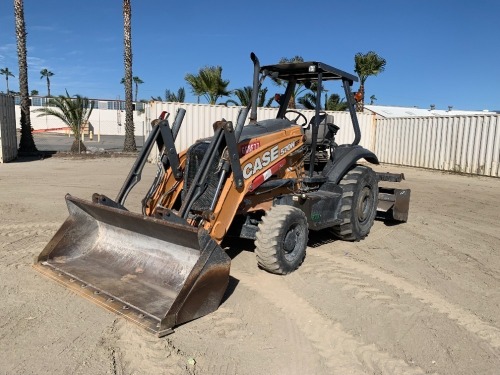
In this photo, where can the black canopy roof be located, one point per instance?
(307, 71)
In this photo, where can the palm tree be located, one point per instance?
(7, 73)
(244, 96)
(170, 96)
(47, 74)
(372, 99)
(299, 88)
(176, 98)
(308, 100)
(74, 112)
(334, 103)
(26, 144)
(369, 64)
(137, 82)
(208, 83)
(129, 143)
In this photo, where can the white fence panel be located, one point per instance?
(8, 136)
(197, 122)
(346, 132)
(199, 119)
(468, 144)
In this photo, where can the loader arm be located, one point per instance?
(272, 159)
(167, 190)
(261, 158)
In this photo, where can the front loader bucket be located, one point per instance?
(156, 273)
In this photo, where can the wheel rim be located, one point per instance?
(364, 206)
(292, 241)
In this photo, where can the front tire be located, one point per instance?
(359, 204)
(281, 240)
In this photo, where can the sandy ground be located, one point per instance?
(421, 297)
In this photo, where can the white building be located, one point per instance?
(394, 111)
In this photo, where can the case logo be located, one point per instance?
(265, 159)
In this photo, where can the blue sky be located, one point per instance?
(438, 52)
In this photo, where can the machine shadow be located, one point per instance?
(231, 287)
(321, 237)
(234, 246)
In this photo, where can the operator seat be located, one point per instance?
(323, 130)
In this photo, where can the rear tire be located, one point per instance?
(281, 240)
(359, 204)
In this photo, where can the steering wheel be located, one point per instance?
(296, 118)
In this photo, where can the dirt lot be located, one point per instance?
(421, 297)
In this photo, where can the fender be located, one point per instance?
(344, 159)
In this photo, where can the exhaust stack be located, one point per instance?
(255, 90)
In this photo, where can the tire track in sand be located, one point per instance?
(224, 323)
(239, 329)
(132, 350)
(341, 352)
(15, 230)
(462, 317)
(20, 242)
(350, 280)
